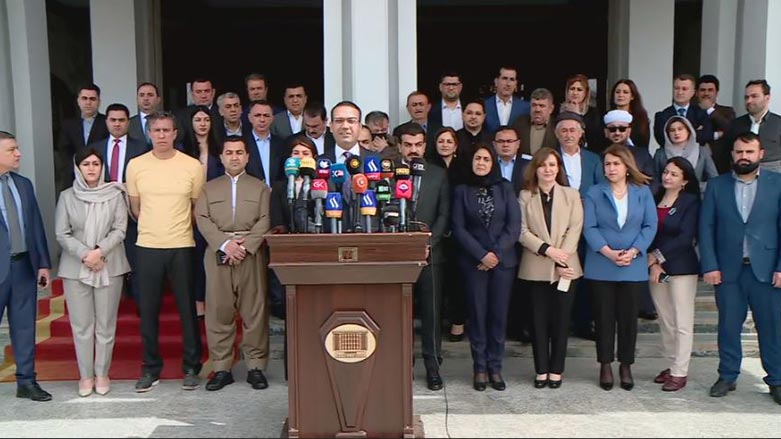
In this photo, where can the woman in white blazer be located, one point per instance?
(90, 223)
(550, 231)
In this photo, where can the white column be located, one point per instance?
(717, 54)
(371, 55)
(29, 50)
(114, 67)
(7, 120)
(758, 47)
(645, 52)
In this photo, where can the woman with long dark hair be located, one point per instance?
(486, 225)
(577, 99)
(674, 268)
(625, 96)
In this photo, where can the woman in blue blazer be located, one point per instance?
(619, 225)
(674, 268)
(486, 225)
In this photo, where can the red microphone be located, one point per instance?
(319, 192)
(360, 184)
(403, 193)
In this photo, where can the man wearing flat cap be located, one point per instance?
(583, 167)
(618, 129)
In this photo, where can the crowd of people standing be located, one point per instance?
(558, 220)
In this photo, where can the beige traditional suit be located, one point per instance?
(241, 287)
(566, 227)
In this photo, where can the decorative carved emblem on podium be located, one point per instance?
(348, 254)
(350, 343)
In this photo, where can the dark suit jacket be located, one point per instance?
(722, 229)
(645, 163)
(721, 118)
(519, 108)
(499, 237)
(433, 207)
(675, 237)
(329, 143)
(591, 171)
(281, 125)
(279, 152)
(518, 170)
(331, 154)
(136, 130)
(769, 134)
(35, 236)
(524, 126)
(134, 148)
(696, 115)
(72, 134)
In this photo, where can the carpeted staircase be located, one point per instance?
(55, 357)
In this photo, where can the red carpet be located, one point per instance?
(55, 357)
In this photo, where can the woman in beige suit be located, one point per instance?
(90, 222)
(550, 231)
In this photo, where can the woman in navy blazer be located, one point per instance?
(487, 224)
(619, 226)
(674, 268)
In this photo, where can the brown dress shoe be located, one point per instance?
(662, 377)
(674, 384)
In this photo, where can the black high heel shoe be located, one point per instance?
(554, 384)
(497, 382)
(480, 381)
(540, 384)
(606, 376)
(625, 372)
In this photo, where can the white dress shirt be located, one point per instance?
(319, 143)
(622, 207)
(122, 155)
(504, 110)
(452, 117)
(572, 165)
(339, 153)
(755, 123)
(295, 122)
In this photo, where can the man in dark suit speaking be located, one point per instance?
(24, 260)
(739, 234)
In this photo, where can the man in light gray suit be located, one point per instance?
(292, 120)
(148, 99)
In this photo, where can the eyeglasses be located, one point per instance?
(349, 120)
(619, 129)
(506, 141)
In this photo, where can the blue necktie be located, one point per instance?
(682, 112)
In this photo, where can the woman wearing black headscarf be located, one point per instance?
(486, 225)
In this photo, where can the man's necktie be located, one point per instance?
(682, 112)
(113, 170)
(12, 214)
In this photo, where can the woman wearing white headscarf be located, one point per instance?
(90, 224)
(680, 140)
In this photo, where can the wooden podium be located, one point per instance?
(349, 332)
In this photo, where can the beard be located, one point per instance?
(744, 167)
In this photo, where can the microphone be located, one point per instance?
(403, 193)
(387, 169)
(383, 192)
(324, 168)
(368, 208)
(360, 184)
(417, 169)
(319, 193)
(307, 171)
(354, 165)
(390, 217)
(338, 175)
(292, 164)
(333, 211)
(401, 172)
(371, 168)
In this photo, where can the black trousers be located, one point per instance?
(428, 304)
(615, 311)
(154, 266)
(551, 310)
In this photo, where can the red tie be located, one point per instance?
(113, 170)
